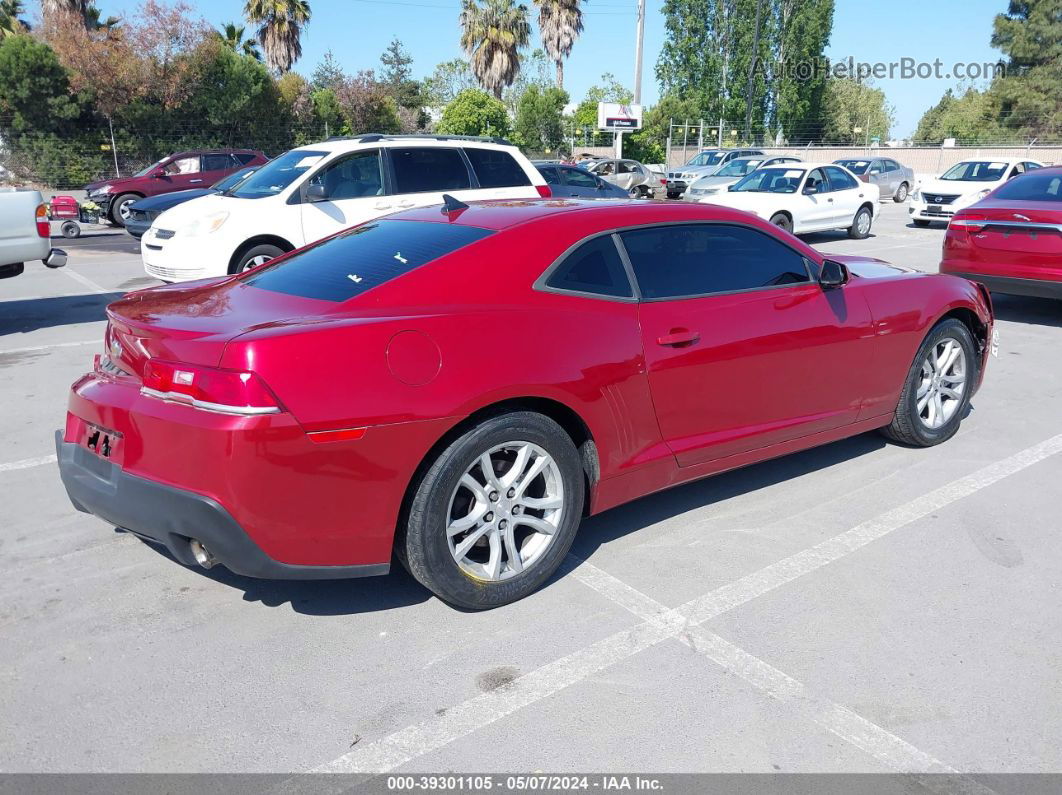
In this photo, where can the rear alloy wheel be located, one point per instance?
(495, 514)
(938, 387)
(635, 192)
(901, 193)
(256, 256)
(782, 221)
(119, 210)
(860, 227)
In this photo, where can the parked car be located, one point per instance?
(315, 191)
(805, 197)
(177, 172)
(336, 405)
(636, 180)
(142, 213)
(893, 179)
(702, 165)
(1011, 240)
(966, 182)
(578, 182)
(25, 233)
(729, 173)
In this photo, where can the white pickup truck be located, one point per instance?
(25, 233)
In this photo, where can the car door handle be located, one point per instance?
(405, 205)
(829, 200)
(678, 338)
(194, 180)
(381, 206)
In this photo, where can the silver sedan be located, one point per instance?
(894, 181)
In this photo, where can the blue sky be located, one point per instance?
(357, 31)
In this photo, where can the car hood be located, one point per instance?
(115, 184)
(752, 201)
(714, 182)
(193, 209)
(167, 200)
(870, 267)
(951, 187)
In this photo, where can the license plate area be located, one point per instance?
(103, 443)
(934, 208)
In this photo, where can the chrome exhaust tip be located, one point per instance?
(202, 555)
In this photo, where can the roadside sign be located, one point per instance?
(614, 116)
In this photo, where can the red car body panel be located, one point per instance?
(1018, 247)
(772, 372)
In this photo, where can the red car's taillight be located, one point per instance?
(229, 391)
(44, 227)
(544, 191)
(971, 223)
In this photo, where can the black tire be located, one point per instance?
(672, 195)
(115, 210)
(421, 543)
(854, 230)
(70, 229)
(901, 193)
(263, 250)
(907, 426)
(782, 221)
(921, 223)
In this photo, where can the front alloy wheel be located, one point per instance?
(942, 384)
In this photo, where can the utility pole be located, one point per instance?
(638, 53)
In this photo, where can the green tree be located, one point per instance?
(231, 35)
(850, 105)
(1030, 35)
(475, 112)
(366, 106)
(280, 25)
(397, 77)
(448, 80)
(11, 23)
(610, 90)
(799, 85)
(534, 71)
(559, 22)
(328, 73)
(35, 92)
(492, 34)
(971, 118)
(539, 126)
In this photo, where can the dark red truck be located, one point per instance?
(196, 169)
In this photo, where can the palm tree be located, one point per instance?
(560, 22)
(53, 10)
(280, 24)
(93, 20)
(492, 35)
(10, 24)
(232, 37)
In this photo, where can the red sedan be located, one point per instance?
(460, 388)
(1011, 240)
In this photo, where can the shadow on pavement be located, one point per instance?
(19, 317)
(1022, 309)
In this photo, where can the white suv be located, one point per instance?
(314, 191)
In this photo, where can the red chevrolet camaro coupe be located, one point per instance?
(1011, 240)
(461, 387)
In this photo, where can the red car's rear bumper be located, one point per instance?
(258, 492)
(1009, 285)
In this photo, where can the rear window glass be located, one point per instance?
(428, 169)
(495, 169)
(363, 257)
(1032, 187)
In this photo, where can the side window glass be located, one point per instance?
(551, 175)
(218, 162)
(839, 180)
(496, 169)
(678, 261)
(817, 180)
(578, 178)
(595, 267)
(353, 177)
(423, 169)
(185, 165)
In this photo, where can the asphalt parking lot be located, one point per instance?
(861, 607)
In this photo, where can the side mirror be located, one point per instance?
(810, 189)
(158, 173)
(316, 193)
(833, 274)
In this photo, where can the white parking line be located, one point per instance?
(33, 348)
(28, 463)
(458, 721)
(77, 277)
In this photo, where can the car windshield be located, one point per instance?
(737, 168)
(770, 180)
(232, 180)
(855, 166)
(344, 266)
(1032, 188)
(145, 171)
(976, 171)
(707, 159)
(276, 175)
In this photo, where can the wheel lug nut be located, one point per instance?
(493, 496)
(489, 517)
(502, 524)
(517, 510)
(511, 493)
